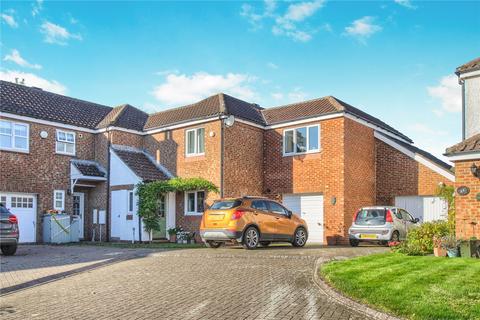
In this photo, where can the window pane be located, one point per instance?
(200, 201)
(70, 137)
(301, 139)
(5, 141)
(288, 141)
(190, 142)
(313, 138)
(58, 195)
(6, 127)
(21, 143)
(20, 130)
(70, 148)
(190, 202)
(130, 201)
(276, 208)
(61, 136)
(60, 146)
(201, 140)
(58, 204)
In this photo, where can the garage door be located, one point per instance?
(424, 208)
(310, 208)
(24, 206)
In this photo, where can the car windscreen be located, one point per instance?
(225, 204)
(4, 211)
(371, 217)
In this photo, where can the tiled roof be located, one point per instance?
(471, 144)
(469, 66)
(140, 164)
(89, 168)
(36, 103)
(421, 152)
(319, 107)
(125, 116)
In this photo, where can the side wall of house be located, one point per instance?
(243, 164)
(467, 208)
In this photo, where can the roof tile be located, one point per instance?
(471, 144)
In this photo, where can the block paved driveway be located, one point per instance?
(86, 282)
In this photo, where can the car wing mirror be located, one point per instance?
(416, 220)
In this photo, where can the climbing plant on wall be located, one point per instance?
(149, 193)
(448, 193)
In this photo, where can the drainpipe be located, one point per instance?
(222, 153)
(462, 82)
(107, 218)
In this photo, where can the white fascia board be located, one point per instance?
(112, 128)
(470, 74)
(302, 121)
(468, 156)
(426, 162)
(250, 123)
(374, 126)
(46, 122)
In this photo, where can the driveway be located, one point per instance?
(81, 282)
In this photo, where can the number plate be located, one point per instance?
(216, 217)
(368, 236)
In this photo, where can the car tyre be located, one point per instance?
(251, 238)
(300, 237)
(9, 250)
(354, 242)
(213, 244)
(395, 236)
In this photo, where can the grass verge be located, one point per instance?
(414, 287)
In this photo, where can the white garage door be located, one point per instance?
(24, 206)
(310, 208)
(424, 208)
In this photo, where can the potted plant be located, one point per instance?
(172, 232)
(450, 243)
(438, 250)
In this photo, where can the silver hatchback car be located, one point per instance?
(380, 224)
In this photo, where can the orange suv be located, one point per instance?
(251, 221)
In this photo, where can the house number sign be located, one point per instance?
(463, 190)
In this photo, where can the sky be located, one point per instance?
(393, 59)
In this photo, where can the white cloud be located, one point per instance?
(166, 72)
(15, 57)
(183, 89)
(406, 3)
(449, 92)
(362, 28)
(32, 80)
(37, 6)
(301, 11)
(297, 95)
(272, 65)
(57, 34)
(9, 19)
(277, 95)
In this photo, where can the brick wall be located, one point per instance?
(467, 208)
(243, 168)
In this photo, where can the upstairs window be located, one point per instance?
(195, 142)
(301, 140)
(65, 142)
(14, 136)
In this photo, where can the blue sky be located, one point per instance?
(393, 59)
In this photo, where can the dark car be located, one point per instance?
(8, 231)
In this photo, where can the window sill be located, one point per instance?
(192, 155)
(15, 150)
(301, 153)
(65, 154)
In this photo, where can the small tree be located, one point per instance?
(448, 193)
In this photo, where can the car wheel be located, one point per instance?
(251, 238)
(213, 244)
(300, 237)
(354, 242)
(395, 236)
(265, 243)
(9, 250)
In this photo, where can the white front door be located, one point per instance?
(119, 211)
(24, 206)
(310, 208)
(79, 210)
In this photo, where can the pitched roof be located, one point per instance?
(471, 144)
(469, 66)
(89, 168)
(140, 164)
(319, 107)
(212, 106)
(36, 103)
(125, 116)
(421, 152)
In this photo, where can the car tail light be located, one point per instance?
(388, 217)
(13, 219)
(237, 214)
(355, 216)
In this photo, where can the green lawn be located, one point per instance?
(423, 287)
(153, 245)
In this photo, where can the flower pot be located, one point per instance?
(453, 252)
(439, 252)
(173, 238)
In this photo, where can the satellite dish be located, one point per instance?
(229, 121)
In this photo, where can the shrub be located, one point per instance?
(420, 240)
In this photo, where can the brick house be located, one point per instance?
(323, 158)
(466, 154)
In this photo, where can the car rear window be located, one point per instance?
(371, 217)
(225, 204)
(3, 210)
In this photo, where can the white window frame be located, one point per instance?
(193, 213)
(57, 141)
(195, 139)
(12, 137)
(286, 154)
(62, 192)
